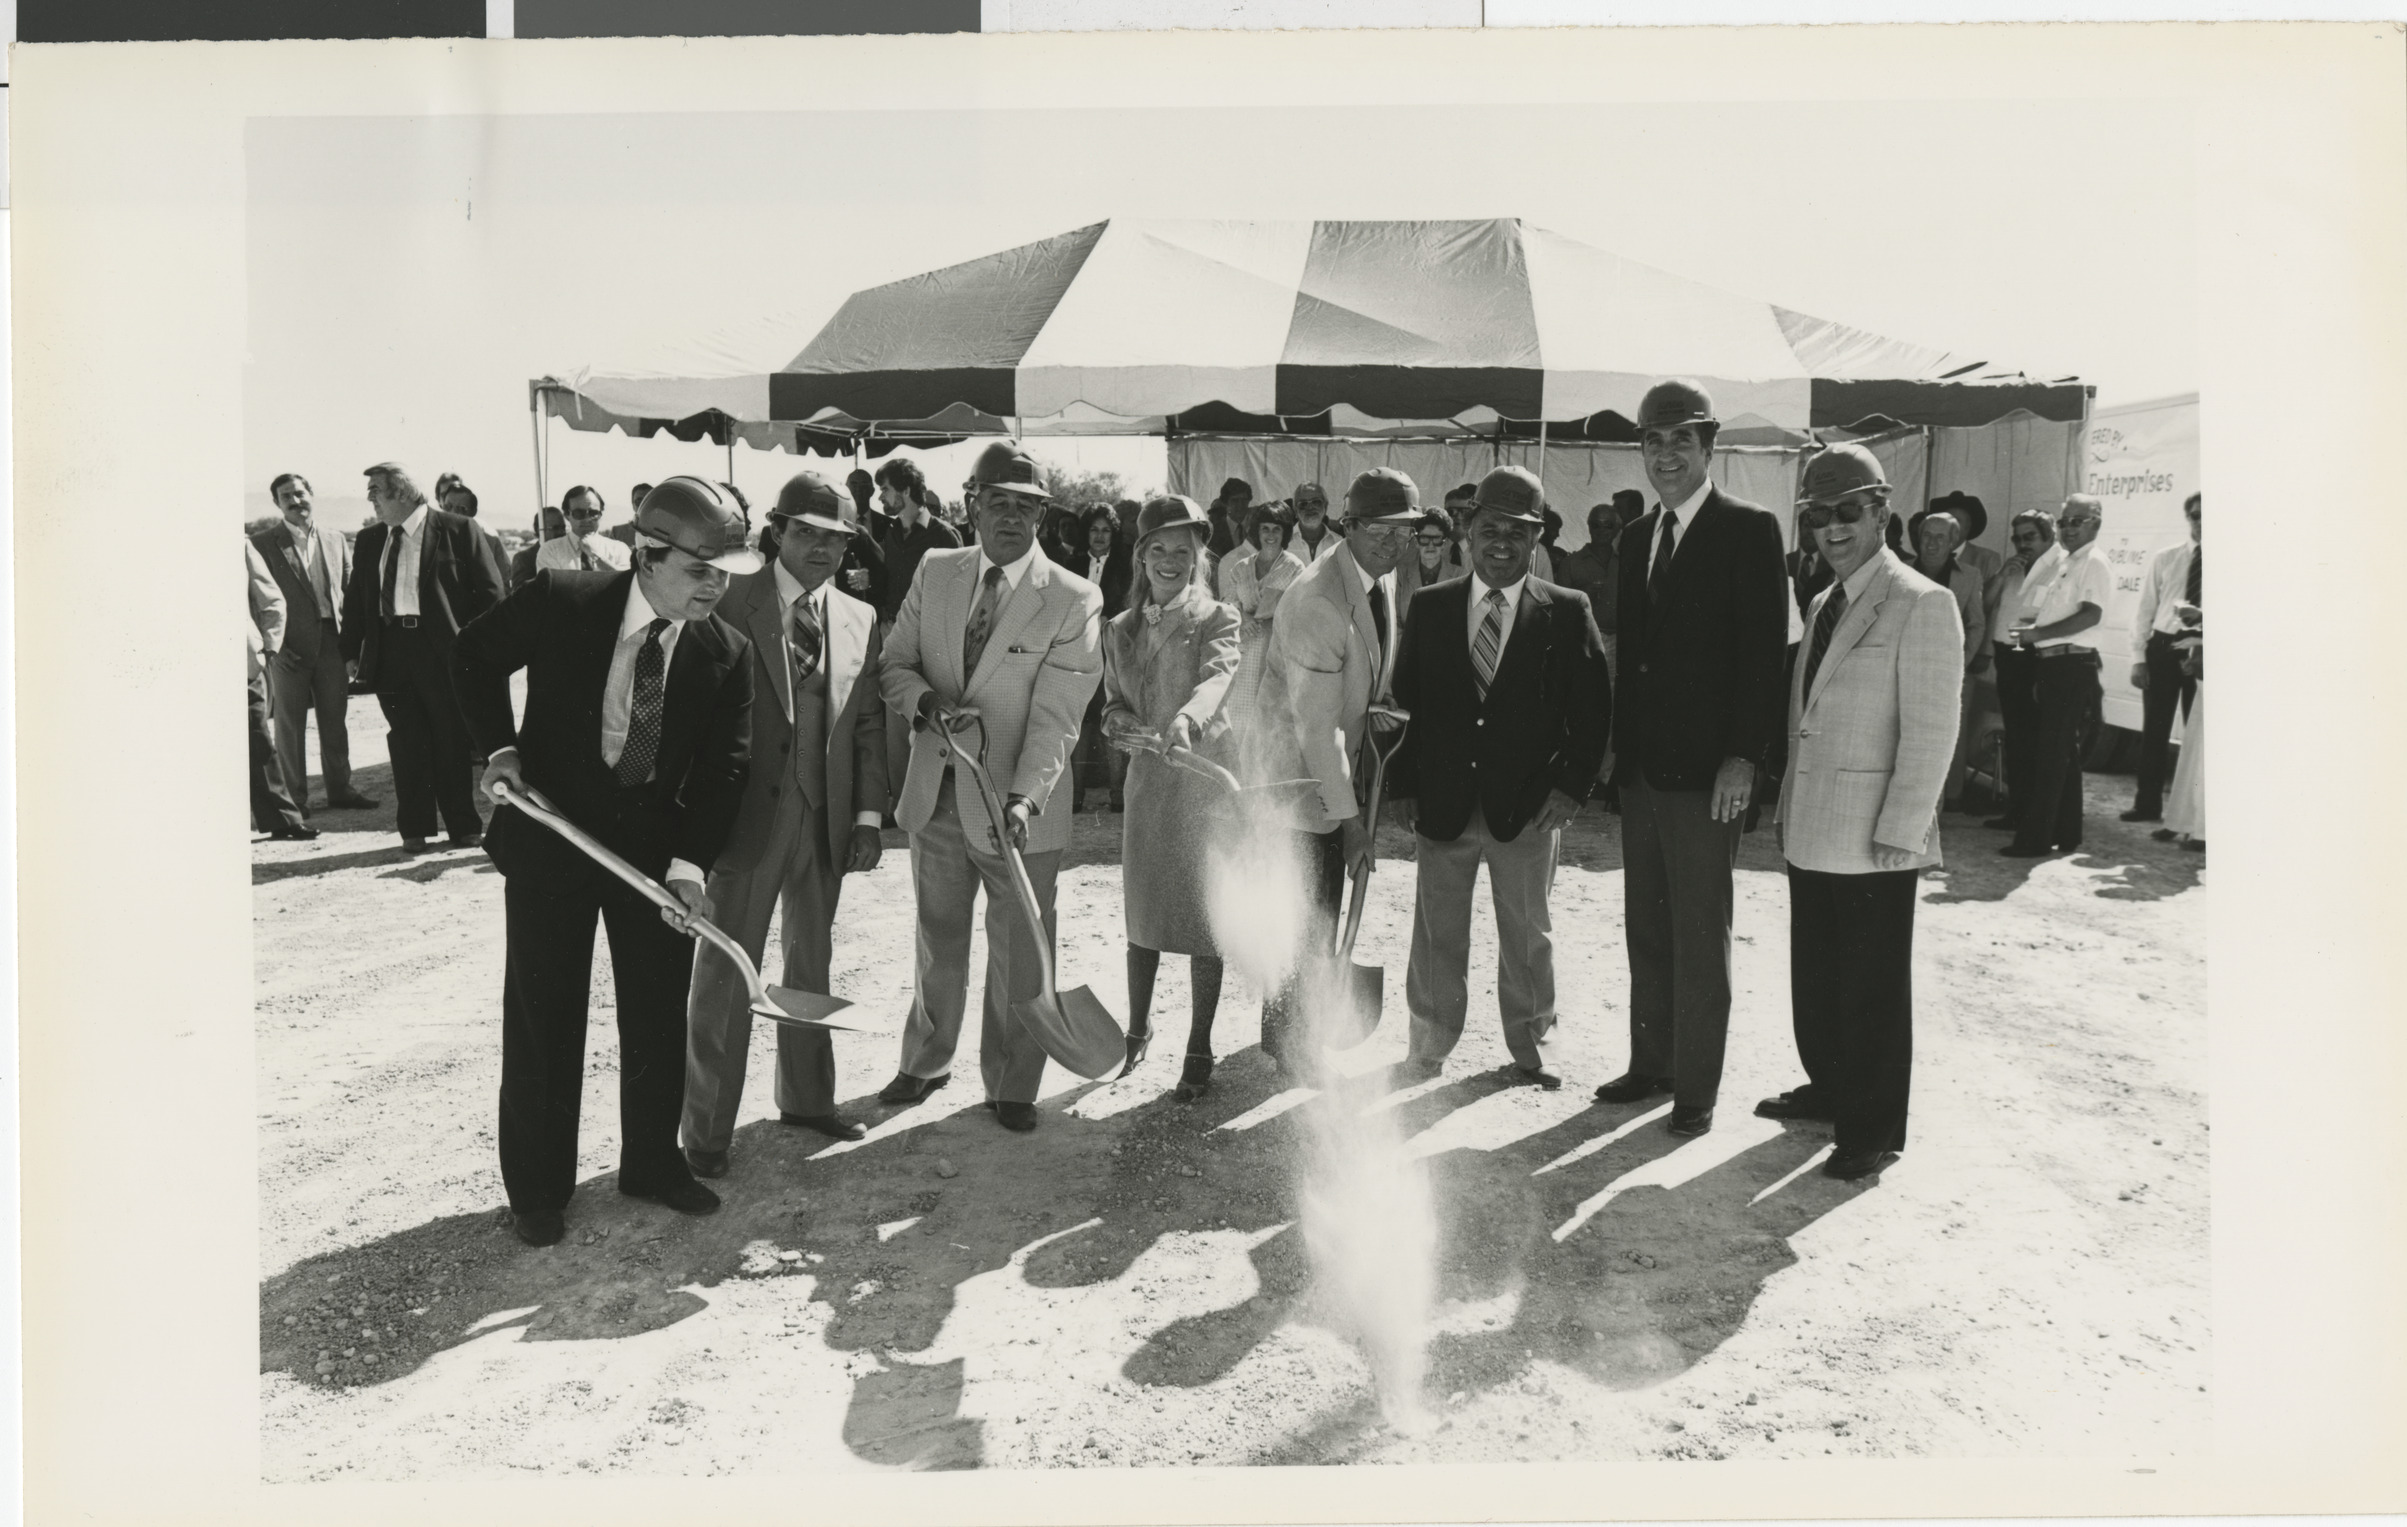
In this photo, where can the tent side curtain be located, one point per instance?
(582, 413)
(1944, 405)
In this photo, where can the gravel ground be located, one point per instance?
(1128, 1286)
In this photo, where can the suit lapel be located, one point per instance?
(846, 646)
(1854, 621)
(1016, 613)
(1526, 641)
(958, 598)
(768, 632)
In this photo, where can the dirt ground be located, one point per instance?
(1127, 1286)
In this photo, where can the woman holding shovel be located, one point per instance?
(1167, 663)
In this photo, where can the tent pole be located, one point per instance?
(535, 426)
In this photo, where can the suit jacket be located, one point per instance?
(1700, 677)
(458, 580)
(292, 576)
(265, 631)
(1544, 723)
(562, 629)
(1869, 748)
(1042, 662)
(1322, 671)
(856, 718)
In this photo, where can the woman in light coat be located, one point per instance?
(1168, 662)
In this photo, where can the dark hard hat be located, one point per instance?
(697, 519)
(1961, 502)
(1383, 495)
(1006, 464)
(1672, 403)
(1171, 511)
(1838, 471)
(1514, 492)
(810, 500)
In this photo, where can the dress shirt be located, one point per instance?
(2161, 590)
(559, 554)
(1479, 612)
(1011, 575)
(2075, 579)
(321, 582)
(1331, 539)
(1682, 513)
(408, 543)
(789, 589)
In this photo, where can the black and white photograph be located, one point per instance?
(967, 755)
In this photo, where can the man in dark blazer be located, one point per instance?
(418, 575)
(1504, 677)
(1703, 644)
(809, 815)
(638, 728)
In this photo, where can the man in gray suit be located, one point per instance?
(1001, 648)
(1873, 709)
(809, 816)
(310, 566)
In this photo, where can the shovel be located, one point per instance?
(1278, 799)
(1359, 1014)
(1074, 1027)
(779, 1004)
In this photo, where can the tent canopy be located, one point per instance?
(1333, 328)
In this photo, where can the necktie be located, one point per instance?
(584, 558)
(392, 568)
(1824, 624)
(1662, 568)
(1379, 620)
(2190, 590)
(643, 720)
(806, 640)
(1488, 646)
(981, 622)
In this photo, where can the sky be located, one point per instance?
(408, 276)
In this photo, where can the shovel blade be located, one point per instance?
(1357, 1015)
(809, 1010)
(1077, 1030)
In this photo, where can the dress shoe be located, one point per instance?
(1630, 1087)
(467, 840)
(1019, 1118)
(828, 1124)
(413, 845)
(2164, 835)
(2137, 815)
(1688, 1123)
(1536, 1076)
(1796, 1103)
(687, 1197)
(539, 1227)
(1848, 1166)
(293, 834)
(706, 1163)
(1139, 1041)
(1194, 1078)
(2024, 851)
(1414, 1070)
(2194, 846)
(2000, 824)
(352, 802)
(906, 1088)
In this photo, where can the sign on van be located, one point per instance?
(2141, 461)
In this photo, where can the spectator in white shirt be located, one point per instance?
(584, 548)
(2172, 581)
(2064, 599)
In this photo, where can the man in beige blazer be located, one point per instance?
(809, 816)
(1872, 727)
(1332, 653)
(1002, 648)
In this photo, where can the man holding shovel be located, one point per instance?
(994, 650)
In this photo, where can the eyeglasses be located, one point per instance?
(1432, 539)
(1846, 511)
(584, 514)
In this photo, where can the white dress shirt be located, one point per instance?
(559, 554)
(1012, 573)
(1681, 514)
(1331, 539)
(1479, 612)
(789, 589)
(2075, 579)
(408, 543)
(618, 691)
(321, 576)
(2160, 591)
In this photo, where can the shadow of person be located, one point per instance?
(1975, 871)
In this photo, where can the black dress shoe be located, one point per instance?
(906, 1088)
(828, 1124)
(1630, 1087)
(2137, 815)
(1796, 1103)
(2024, 851)
(413, 845)
(538, 1227)
(1019, 1118)
(2164, 835)
(467, 840)
(1412, 1071)
(353, 802)
(687, 1197)
(293, 834)
(1194, 1078)
(1536, 1076)
(706, 1163)
(1139, 1041)
(1848, 1166)
(1688, 1123)
(2194, 846)
(2000, 824)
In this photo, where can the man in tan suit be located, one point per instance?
(1001, 648)
(1872, 727)
(809, 816)
(311, 566)
(1332, 653)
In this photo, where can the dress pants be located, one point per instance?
(429, 738)
(1322, 856)
(308, 675)
(2068, 693)
(946, 872)
(550, 900)
(794, 871)
(271, 805)
(1851, 988)
(2166, 684)
(2018, 714)
(1677, 864)
(1437, 990)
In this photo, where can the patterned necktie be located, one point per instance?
(584, 558)
(392, 569)
(2190, 590)
(806, 640)
(643, 719)
(981, 622)
(1663, 558)
(1824, 624)
(1488, 646)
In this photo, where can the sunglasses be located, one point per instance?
(1847, 511)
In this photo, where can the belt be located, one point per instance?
(405, 622)
(2090, 653)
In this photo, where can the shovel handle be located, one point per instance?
(1195, 763)
(1011, 856)
(1362, 871)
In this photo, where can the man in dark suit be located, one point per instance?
(312, 567)
(638, 727)
(809, 815)
(550, 524)
(1504, 677)
(419, 575)
(1703, 644)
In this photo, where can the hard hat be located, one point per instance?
(1838, 471)
(1670, 404)
(1383, 496)
(811, 501)
(697, 519)
(1006, 464)
(1171, 511)
(1513, 492)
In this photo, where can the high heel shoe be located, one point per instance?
(1196, 1079)
(1139, 1041)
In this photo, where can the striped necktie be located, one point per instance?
(1488, 646)
(1824, 624)
(806, 639)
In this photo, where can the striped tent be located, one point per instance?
(1488, 328)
